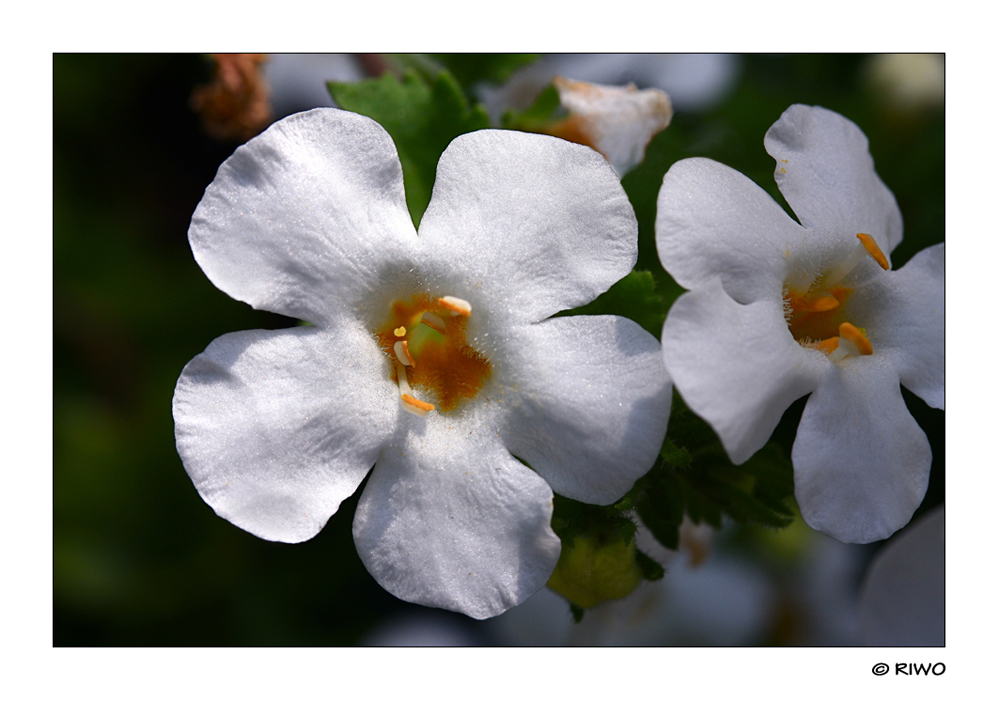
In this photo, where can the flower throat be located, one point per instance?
(425, 339)
(815, 317)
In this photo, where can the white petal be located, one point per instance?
(449, 519)
(861, 462)
(535, 223)
(276, 428)
(713, 221)
(903, 313)
(737, 366)
(587, 401)
(826, 173)
(307, 218)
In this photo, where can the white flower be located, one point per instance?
(778, 310)
(618, 122)
(433, 355)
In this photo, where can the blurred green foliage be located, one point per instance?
(138, 558)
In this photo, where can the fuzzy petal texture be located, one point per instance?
(307, 218)
(450, 519)
(861, 462)
(587, 403)
(277, 428)
(904, 311)
(530, 223)
(737, 365)
(714, 222)
(826, 173)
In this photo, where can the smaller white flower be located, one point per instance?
(777, 310)
(619, 122)
(432, 357)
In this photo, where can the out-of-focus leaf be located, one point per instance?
(635, 297)
(490, 68)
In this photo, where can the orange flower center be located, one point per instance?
(816, 316)
(432, 362)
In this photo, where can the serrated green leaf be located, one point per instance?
(661, 510)
(674, 455)
(650, 569)
(422, 116)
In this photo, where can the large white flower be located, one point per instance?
(433, 356)
(778, 310)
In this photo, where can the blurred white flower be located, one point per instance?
(902, 598)
(618, 122)
(778, 310)
(694, 82)
(907, 82)
(298, 81)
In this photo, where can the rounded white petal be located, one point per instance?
(736, 365)
(826, 173)
(714, 222)
(449, 519)
(307, 218)
(861, 462)
(276, 428)
(534, 223)
(586, 402)
(903, 313)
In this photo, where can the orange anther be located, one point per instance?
(857, 337)
(823, 303)
(415, 406)
(829, 345)
(455, 305)
(872, 248)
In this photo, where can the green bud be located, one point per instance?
(596, 568)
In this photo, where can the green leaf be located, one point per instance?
(539, 115)
(634, 296)
(469, 69)
(651, 570)
(661, 507)
(422, 116)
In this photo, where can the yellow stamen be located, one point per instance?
(824, 303)
(857, 337)
(456, 306)
(872, 248)
(400, 332)
(415, 406)
(828, 345)
(401, 349)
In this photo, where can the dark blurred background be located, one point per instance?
(138, 558)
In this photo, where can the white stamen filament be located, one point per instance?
(859, 253)
(433, 321)
(846, 347)
(401, 349)
(409, 402)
